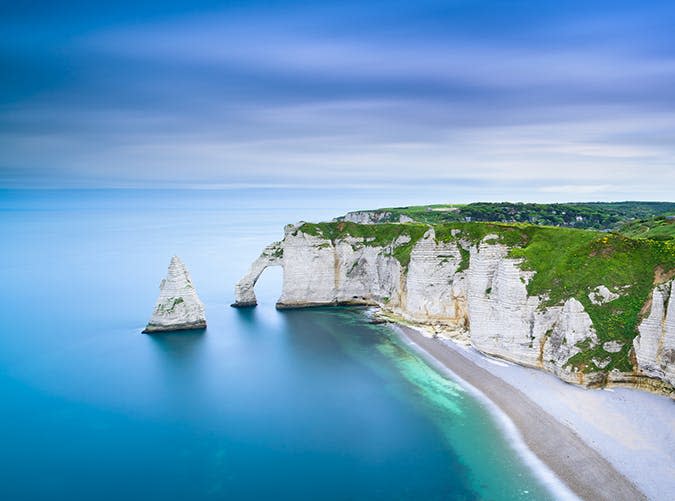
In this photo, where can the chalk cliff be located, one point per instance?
(655, 346)
(178, 306)
(474, 291)
(374, 217)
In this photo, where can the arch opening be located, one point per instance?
(267, 288)
(244, 291)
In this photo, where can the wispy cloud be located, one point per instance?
(559, 100)
(576, 189)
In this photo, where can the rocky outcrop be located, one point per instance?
(435, 285)
(178, 306)
(244, 293)
(375, 217)
(469, 290)
(601, 295)
(318, 271)
(655, 346)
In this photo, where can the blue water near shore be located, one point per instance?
(264, 404)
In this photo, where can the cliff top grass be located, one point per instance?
(656, 228)
(388, 234)
(567, 263)
(375, 235)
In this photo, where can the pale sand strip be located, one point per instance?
(581, 468)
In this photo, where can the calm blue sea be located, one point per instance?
(312, 404)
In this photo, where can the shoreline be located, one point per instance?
(579, 467)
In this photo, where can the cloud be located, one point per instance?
(576, 189)
(476, 96)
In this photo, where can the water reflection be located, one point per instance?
(180, 348)
(247, 316)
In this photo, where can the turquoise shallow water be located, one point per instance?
(263, 404)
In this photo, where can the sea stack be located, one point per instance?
(178, 306)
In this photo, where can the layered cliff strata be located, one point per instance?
(483, 285)
(178, 306)
(655, 346)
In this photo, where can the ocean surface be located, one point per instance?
(264, 404)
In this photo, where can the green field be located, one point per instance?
(656, 228)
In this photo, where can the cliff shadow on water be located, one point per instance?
(179, 353)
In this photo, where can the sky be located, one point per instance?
(520, 100)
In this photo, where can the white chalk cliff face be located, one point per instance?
(178, 306)
(655, 346)
(473, 293)
(374, 217)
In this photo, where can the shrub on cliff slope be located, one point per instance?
(657, 228)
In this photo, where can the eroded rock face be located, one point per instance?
(178, 306)
(244, 290)
(612, 346)
(374, 217)
(471, 292)
(502, 317)
(655, 346)
(435, 286)
(572, 328)
(601, 295)
(318, 271)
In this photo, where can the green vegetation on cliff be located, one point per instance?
(571, 263)
(400, 237)
(568, 263)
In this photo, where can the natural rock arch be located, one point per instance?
(244, 293)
